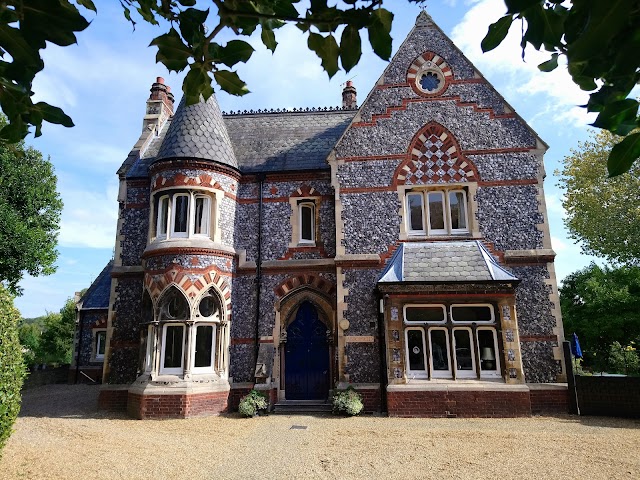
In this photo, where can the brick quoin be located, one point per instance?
(460, 404)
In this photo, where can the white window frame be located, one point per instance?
(160, 217)
(174, 199)
(301, 207)
(209, 215)
(410, 230)
(172, 370)
(206, 212)
(148, 354)
(440, 373)
(480, 322)
(426, 212)
(97, 335)
(416, 373)
(422, 305)
(211, 368)
(472, 351)
(489, 373)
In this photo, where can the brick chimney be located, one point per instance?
(349, 99)
(159, 105)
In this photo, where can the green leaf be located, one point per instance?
(550, 64)
(350, 47)
(230, 82)
(496, 34)
(51, 21)
(53, 114)
(380, 32)
(517, 6)
(623, 155)
(88, 4)
(233, 52)
(269, 39)
(615, 113)
(191, 23)
(26, 59)
(195, 83)
(172, 52)
(327, 49)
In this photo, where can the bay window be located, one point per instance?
(436, 212)
(451, 341)
(183, 214)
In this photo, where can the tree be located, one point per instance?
(600, 41)
(56, 343)
(603, 214)
(11, 367)
(29, 214)
(602, 305)
(29, 334)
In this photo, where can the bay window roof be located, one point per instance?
(443, 262)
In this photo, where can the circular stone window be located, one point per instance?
(429, 74)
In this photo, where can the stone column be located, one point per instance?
(512, 359)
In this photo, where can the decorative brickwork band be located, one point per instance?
(310, 280)
(435, 157)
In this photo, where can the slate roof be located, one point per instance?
(97, 296)
(270, 142)
(441, 262)
(198, 131)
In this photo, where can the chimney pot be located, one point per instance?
(349, 98)
(160, 80)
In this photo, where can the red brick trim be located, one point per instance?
(486, 151)
(354, 264)
(453, 295)
(176, 406)
(390, 188)
(322, 198)
(138, 183)
(297, 270)
(307, 279)
(401, 156)
(248, 340)
(528, 261)
(126, 274)
(307, 175)
(132, 206)
(291, 251)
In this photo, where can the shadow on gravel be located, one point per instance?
(594, 421)
(64, 401)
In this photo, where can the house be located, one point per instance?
(401, 248)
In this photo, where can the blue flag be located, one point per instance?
(575, 346)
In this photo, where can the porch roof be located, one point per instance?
(464, 261)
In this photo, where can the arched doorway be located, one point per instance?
(307, 356)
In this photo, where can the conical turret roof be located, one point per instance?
(198, 131)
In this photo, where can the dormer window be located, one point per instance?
(183, 214)
(437, 212)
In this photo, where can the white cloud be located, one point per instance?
(89, 217)
(554, 204)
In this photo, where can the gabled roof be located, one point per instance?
(442, 262)
(97, 295)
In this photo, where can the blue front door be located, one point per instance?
(306, 356)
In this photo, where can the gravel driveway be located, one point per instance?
(59, 435)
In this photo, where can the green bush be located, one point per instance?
(253, 403)
(347, 402)
(12, 369)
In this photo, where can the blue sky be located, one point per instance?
(103, 83)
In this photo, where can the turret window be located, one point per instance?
(183, 214)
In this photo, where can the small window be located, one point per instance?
(204, 348)
(180, 218)
(416, 213)
(488, 352)
(458, 211)
(163, 215)
(101, 340)
(416, 352)
(465, 355)
(202, 215)
(439, 347)
(424, 313)
(307, 222)
(172, 353)
(445, 212)
(436, 212)
(472, 313)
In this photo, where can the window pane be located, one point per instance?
(202, 214)
(474, 313)
(163, 213)
(415, 211)
(463, 349)
(180, 213)
(458, 210)
(306, 212)
(487, 347)
(439, 350)
(174, 306)
(436, 211)
(100, 341)
(204, 345)
(424, 314)
(173, 347)
(415, 346)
